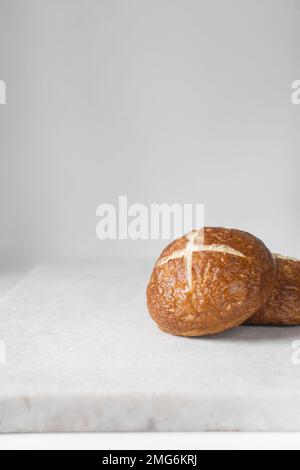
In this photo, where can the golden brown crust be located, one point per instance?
(283, 307)
(210, 280)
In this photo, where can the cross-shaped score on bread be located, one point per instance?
(192, 247)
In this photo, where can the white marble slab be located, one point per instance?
(82, 354)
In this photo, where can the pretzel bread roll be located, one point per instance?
(283, 307)
(210, 280)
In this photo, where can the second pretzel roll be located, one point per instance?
(210, 280)
(283, 307)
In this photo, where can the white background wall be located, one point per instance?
(160, 100)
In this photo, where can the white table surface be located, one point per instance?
(9, 278)
(82, 354)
